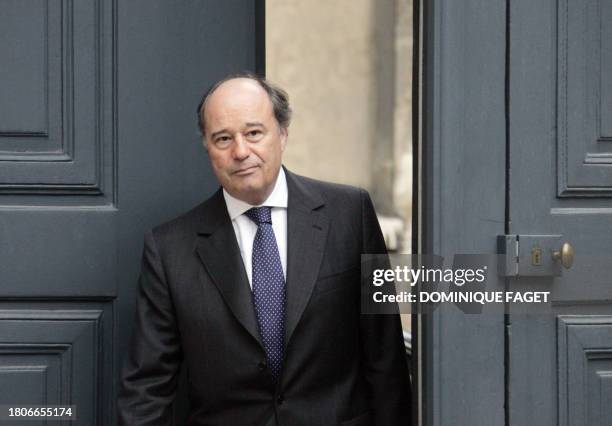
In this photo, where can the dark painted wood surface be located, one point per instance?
(98, 142)
(464, 192)
(561, 183)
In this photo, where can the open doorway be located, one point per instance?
(350, 71)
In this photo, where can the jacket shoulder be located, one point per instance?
(333, 192)
(185, 225)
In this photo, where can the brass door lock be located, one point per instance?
(565, 255)
(527, 255)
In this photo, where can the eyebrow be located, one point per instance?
(217, 133)
(254, 124)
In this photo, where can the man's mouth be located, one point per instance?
(245, 170)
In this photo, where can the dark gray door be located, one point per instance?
(98, 142)
(560, 182)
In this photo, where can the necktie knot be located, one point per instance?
(260, 215)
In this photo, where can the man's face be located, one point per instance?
(243, 139)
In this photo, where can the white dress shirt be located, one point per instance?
(246, 229)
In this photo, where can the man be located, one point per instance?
(256, 291)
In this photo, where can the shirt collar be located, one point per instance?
(278, 198)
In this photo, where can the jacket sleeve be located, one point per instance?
(382, 345)
(148, 385)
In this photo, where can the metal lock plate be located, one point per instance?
(529, 255)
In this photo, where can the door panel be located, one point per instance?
(98, 142)
(584, 94)
(560, 182)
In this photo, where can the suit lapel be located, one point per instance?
(307, 227)
(218, 250)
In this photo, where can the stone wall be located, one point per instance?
(347, 66)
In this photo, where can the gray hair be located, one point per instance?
(278, 97)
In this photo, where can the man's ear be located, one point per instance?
(284, 133)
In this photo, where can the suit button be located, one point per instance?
(280, 399)
(262, 366)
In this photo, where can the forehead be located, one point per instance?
(237, 98)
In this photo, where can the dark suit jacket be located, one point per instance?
(194, 308)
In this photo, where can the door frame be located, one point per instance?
(462, 205)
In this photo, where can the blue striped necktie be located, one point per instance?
(268, 288)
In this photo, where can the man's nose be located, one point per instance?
(241, 148)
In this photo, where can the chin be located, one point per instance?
(247, 193)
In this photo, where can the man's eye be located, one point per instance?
(222, 141)
(254, 133)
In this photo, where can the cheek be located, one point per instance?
(271, 156)
(218, 161)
